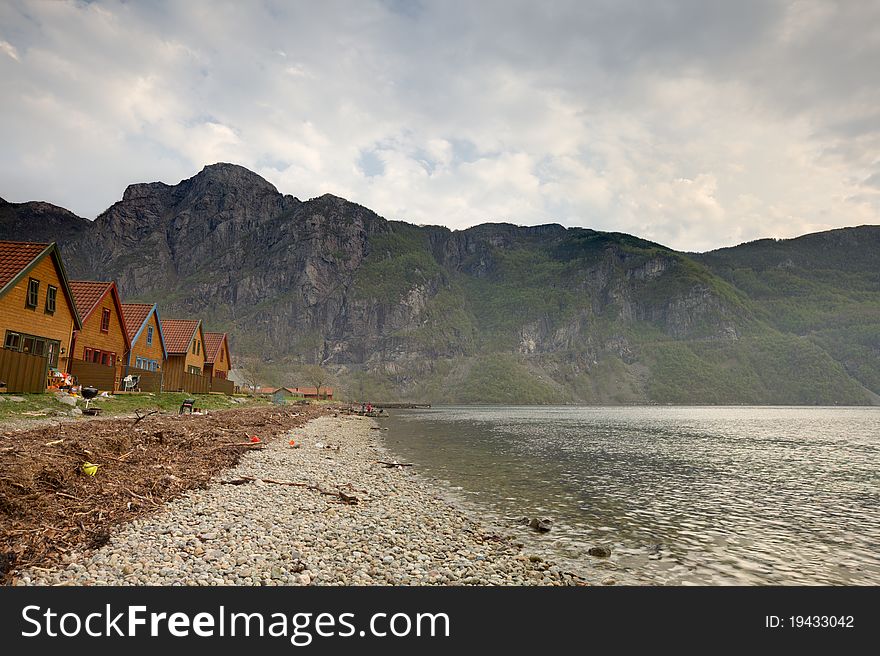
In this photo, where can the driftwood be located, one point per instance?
(247, 445)
(389, 465)
(347, 499)
(144, 467)
(141, 417)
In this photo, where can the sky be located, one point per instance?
(696, 124)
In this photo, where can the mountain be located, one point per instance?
(37, 221)
(494, 313)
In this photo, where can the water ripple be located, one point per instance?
(683, 495)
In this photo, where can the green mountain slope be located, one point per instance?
(496, 313)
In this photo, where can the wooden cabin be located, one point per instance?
(103, 338)
(312, 392)
(148, 351)
(37, 310)
(217, 360)
(185, 346)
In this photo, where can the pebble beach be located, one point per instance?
(389, 527)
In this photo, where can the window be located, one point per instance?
(33, 345)
(28, 343)
(221, 355)
(33, 293)
(149, 335)
(13, 341)
(105, 320)
(147, 364)
(194, 370)
(52, 348)
(51, 294)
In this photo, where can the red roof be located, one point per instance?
(87, 294)
(213, 342)
(15, 256)
(310, 391)
(135, 314)
(178, 334)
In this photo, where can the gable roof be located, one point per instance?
(137, 315)
(179, 334)
(310, 390)
(213, 343)
(18, 258)
(88, 294)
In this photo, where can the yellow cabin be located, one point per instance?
(185, 345)
(37, 313)
(145, 335)
(217, 359)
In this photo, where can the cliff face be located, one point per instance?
(496, 313)
(39, 222)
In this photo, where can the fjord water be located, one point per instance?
(683, 495)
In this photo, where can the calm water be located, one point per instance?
(751, 495)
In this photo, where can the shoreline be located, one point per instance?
(403, 529)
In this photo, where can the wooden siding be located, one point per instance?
(140, 349)
(91, 336)
(175, 366)
(196, 360)
(92, 374)
(176, 380)
(14, 315)
(150, 381)
(22, 372)
(222, 385)
(220, 368)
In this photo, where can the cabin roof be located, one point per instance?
(87, 294)
(136, 317)
(179, 334)
(17, 258)
(213, 344)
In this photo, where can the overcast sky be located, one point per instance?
(695, 124)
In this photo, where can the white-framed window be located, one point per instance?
(149, 335)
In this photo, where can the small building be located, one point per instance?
(217, 358)
(37, 310)
(312, 393)
(145, 335)
(185, 348)
(103, 338)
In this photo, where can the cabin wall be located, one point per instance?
(15, 316)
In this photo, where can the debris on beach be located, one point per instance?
(49, 509)
(394, 464)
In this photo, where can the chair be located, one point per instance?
(131, 383)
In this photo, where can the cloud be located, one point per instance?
(696, 124)
(8, 49)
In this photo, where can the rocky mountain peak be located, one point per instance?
(233, 175)
(222, 178)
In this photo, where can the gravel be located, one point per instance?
(401, 531)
